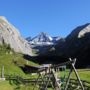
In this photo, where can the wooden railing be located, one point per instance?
(73, 82)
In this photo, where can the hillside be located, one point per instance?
(12, 61)
(75, 45)
(11, 35)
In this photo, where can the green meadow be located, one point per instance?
(11, 62)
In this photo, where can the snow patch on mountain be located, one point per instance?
(43, 39)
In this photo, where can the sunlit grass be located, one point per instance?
(84, 74)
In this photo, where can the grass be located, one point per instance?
(84, 74)
(11, 61)
(4, 85)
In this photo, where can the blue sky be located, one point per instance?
(56, 17)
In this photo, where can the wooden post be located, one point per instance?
(76, 73)
(51, 75)
(68, 80)
(55, 81)
(2, 72)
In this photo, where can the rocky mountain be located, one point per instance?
(76, 45)
(43, 39)
(80, 31)
(77, 39)
(11, 36)
(43, 42)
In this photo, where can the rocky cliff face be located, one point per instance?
(10, 35)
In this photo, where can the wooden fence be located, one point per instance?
(73, 82)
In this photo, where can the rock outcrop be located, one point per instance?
(10, 35)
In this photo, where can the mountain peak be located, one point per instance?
(42, 37)
(84, 31)
(87, 24)
(43, 33)
(3, 18)
(80, 31)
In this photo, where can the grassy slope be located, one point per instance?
(11, 62)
